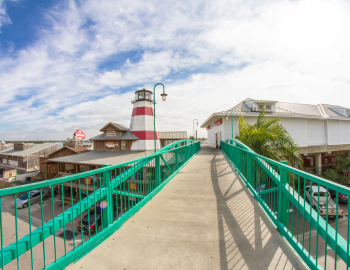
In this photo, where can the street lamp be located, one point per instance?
(194, 126)
(231, 119)
(163, 95)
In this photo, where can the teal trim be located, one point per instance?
(128, 194)
(281, 178)
(168, 164)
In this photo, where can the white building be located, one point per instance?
(319, 130)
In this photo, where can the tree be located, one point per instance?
(330, 174)
(270, 139)
(191, 138)
(342, 165)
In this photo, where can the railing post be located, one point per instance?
(249, 168)
(158, 176)
(176, 158)
(107, 212)
(282, 198)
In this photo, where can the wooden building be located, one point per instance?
(24, 158)
(50, 170)
(115, 137)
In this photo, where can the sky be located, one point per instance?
(71, 64)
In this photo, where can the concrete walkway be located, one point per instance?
(205, 218)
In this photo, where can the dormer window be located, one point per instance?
(267, 107)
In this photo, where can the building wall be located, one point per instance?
(63, 152)
(211, 134)
(338, 132)
(305, 132)
(316, 134)
(297, 128)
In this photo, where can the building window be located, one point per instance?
(84, 168)
(123, 144)
(69, 167)
(268, 107)
(142, 95)
(261, 107)
(147, 95)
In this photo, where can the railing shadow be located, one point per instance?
(247, 238)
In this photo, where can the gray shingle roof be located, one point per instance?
(100, 157)
(119, 126)
(126, 135)
(286, 109)
(29, 151)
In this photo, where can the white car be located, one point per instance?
(22, 201)
(319, 197)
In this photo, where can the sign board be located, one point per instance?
(132, 186)
(112, 133)
(80, 135)
(4, 160)
(13, 163)
(111, 144)
(10, 174)
(218, 122)
(88, 180)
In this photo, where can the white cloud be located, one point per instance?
(4, 17)
(211, 55)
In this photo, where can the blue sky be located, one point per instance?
(75, 64)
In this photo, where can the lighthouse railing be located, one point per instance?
(77, 212)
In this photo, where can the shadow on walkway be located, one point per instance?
(247, 238)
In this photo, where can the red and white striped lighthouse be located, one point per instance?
(141, 124)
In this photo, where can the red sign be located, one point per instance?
(218, 122)
(79, 134)
(208, 127)
(132, 186)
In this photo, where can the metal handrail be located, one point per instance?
(276, 186)
(118, 191)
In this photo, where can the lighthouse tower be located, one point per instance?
(142, 121)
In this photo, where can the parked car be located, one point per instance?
(341, 197)
(22, 201)
(318, 197)
(95, 221)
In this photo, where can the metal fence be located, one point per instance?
(299, 204)
(48, 234)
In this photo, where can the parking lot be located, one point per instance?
(9, 232)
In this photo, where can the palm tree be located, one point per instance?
(343, 165)
(270, 139)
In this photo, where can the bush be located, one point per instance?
(330, 174)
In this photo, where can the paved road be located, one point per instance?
(205, 218)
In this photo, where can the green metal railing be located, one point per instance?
(96, 202)
(315, 226)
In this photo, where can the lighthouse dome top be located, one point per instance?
(143, 95)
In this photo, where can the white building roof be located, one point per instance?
(285, 109)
